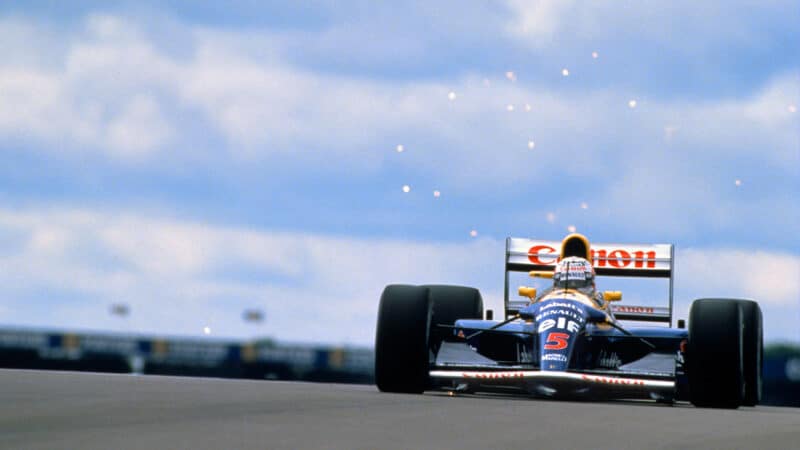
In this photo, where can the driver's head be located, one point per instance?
(574, 272)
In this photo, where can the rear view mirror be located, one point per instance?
(612, 296)
(540, 274)
(529, 292)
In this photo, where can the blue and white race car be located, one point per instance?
(567, 341)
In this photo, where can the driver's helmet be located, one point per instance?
(574, 272)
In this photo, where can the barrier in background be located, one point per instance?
(21, 348)
(98, 352)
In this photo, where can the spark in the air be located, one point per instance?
(595, 55)
(451, 95)
(551, 217)
(511, 76)
(400, 148)
(584, 205)
(437, 194)
(565, 72)
(473, 233)
(406, 188)
(509, 107)
(632, 104)
(571, 228)
(738, 182)
(531, 145)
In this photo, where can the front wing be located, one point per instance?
(551, 383)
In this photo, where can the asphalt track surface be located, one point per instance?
(60, 410)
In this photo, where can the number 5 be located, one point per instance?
(559, 341)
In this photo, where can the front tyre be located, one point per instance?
(401, 339)
(451, 303)
(715, 354)
(752, 351)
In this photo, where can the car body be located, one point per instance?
(564, 343)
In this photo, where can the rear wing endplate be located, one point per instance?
(619, 260)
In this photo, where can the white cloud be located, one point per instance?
(712, 25)
(139, 129)
(538, 20)
(180, 276)
(771, 278)
(123, 93)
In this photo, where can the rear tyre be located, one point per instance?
(451, 303)
(714, 357)
(401, 339)
(752, 351)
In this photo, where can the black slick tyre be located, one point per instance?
(450, 303)
(401, 339)
(715, 353)
(752, 351)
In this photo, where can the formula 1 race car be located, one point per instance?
(567, 342)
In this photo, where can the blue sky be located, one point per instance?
(194, 160)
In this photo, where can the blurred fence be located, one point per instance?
(20, 348)
(95, 352)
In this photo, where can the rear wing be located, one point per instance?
(619, 260)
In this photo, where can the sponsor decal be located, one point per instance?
(493, 376)
(610, 380)
(543, 255)
(546, 255)
(560, 312)
(554, 357)
(562, 323)
(608, 360)
(635, 309)
(549, 305)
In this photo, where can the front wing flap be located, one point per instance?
(552, 383)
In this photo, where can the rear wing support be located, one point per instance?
(620, 260)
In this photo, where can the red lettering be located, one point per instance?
(600, 259)
(636, 309)
(535, 255)
(559, 341)
(619, 258)
(623, 381)
(640, 256)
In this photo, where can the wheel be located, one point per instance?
(714, 357)
(401, 339)
(752, 351)
(451, 303)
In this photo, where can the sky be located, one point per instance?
(195, 160)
